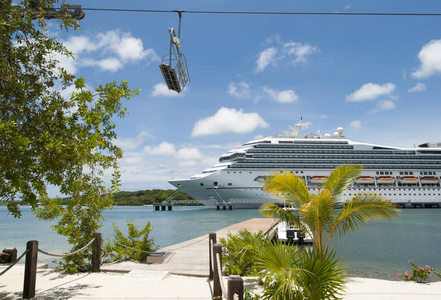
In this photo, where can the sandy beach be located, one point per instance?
(142, 284)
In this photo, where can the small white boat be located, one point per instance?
(409, 180)
(385, 180)
(429, 180)
(365, 180)
(292, 234)
(318, 179)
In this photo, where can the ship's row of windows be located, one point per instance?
(405, 195)
(233, 156)
(304, 146)
(373, 152)
(313, 142)
(361, 162)
(402, 152)
(345, 157)
(396, 167)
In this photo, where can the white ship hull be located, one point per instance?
(247, 194)
(409, 177)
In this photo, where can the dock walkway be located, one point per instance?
(190, 258)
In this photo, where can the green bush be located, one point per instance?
(135, 241)
(240, 252)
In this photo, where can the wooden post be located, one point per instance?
(211, 241)
(235, 286)
(30, 276)
(96, 252)
(217, 289)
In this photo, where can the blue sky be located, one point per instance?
(378, 77)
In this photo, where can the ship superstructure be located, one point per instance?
(407, 176)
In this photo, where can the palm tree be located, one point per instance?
(321, 212)
(291, 273)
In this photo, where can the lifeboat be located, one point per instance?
(429, 180)
(385, 180)
(365, 180)
(318, 179)
(409, 180)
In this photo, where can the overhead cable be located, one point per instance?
(264, 12)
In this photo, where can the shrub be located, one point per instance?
(419, 274)
(240, 252)
(135, 241)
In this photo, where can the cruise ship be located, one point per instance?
(409, 177)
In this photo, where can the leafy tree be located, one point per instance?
(321, 212)
(47, 140)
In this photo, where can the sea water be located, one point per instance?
(379, 249)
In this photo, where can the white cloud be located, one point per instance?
(115, 49)
(384, 105)
(68, 63)
(107, 64)
(228, 120)
(266, 58)
(419, 87)
(163, 149)
(293, 52)
(430, 59)
(240, 90)
(188, 157)
(298, 51)
(79, 44)
(161, 90)
(355, 124)
(371, 91)
(286, 96)
(132, 143)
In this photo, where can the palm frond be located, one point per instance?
(288, 187)
(319, 214)
(341, 179)
(271, 210)
(279, 265)
(323, 275)
(360, 210)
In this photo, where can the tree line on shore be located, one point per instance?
(146, 197)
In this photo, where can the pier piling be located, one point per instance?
(217, 289)
(211, 241)
(96, 252)
(30, 276)
(235, 287)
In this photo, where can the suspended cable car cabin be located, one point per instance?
(174, 65)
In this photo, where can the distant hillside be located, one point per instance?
(145, 197)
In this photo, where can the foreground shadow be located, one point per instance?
(62, 293)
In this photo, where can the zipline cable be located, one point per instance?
(265, 12)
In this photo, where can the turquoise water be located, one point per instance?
(380, 249)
